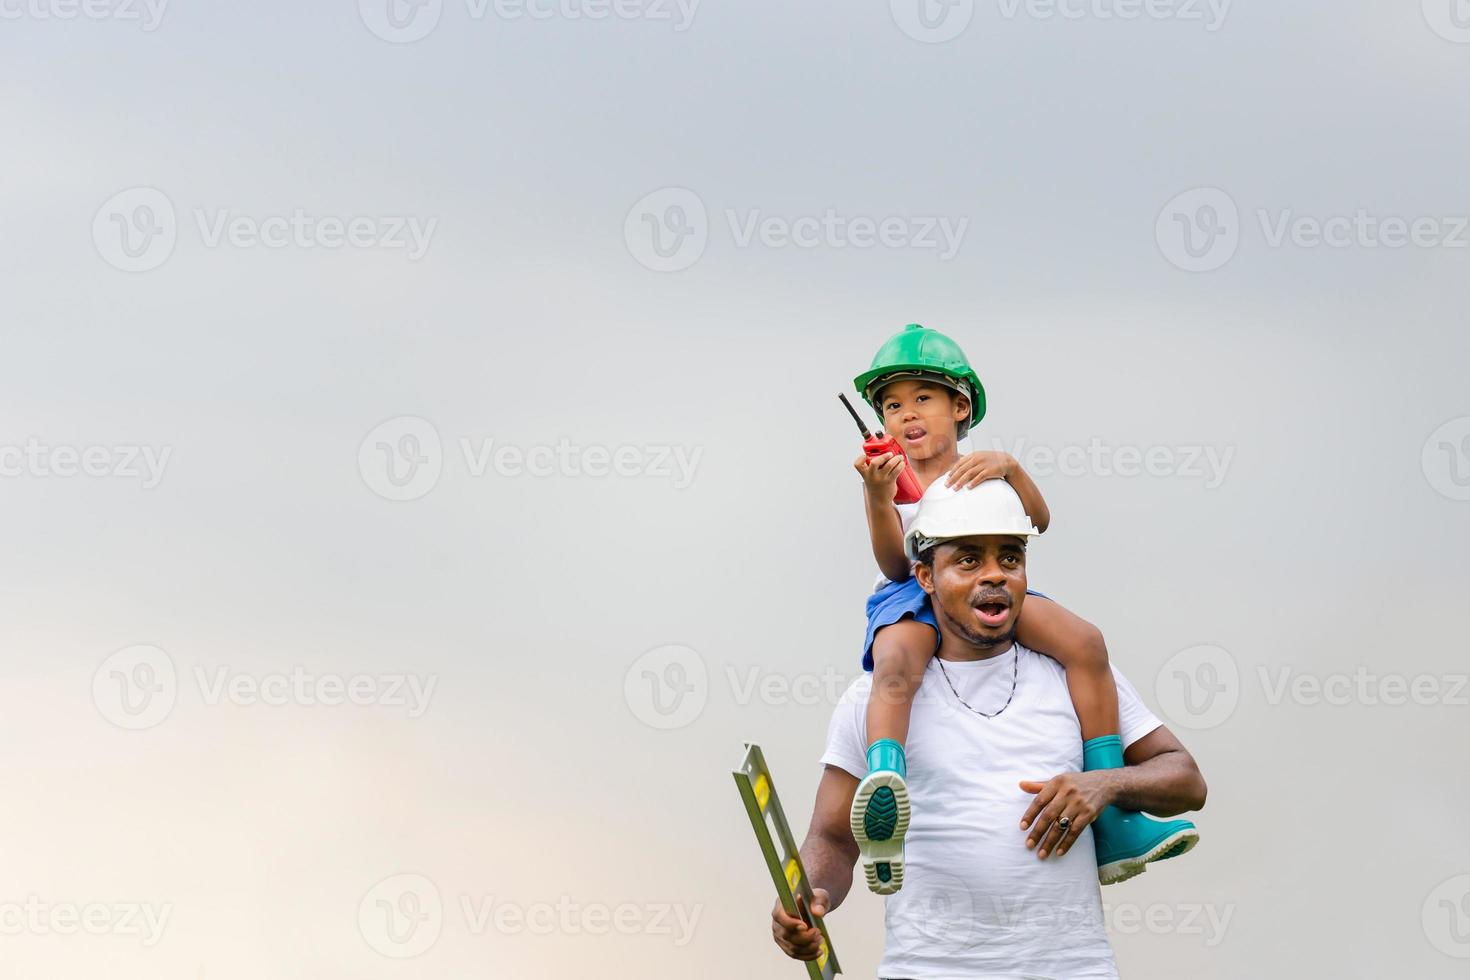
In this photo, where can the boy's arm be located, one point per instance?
(880, 484)
(972, 469)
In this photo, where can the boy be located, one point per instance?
(928, 397)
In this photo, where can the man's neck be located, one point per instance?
(953, 648)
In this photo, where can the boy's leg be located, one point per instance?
(1078, 646)
(1126, 841)
(880, 807)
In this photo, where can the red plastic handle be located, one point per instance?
(908, 491)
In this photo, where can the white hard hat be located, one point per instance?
(993, 507)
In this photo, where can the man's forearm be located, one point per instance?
(828, 864)
(1168, 784)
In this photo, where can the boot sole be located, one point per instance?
(1173, 845)
(879, 820)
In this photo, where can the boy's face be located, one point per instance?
(923, 416)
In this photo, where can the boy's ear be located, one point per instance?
(961, 407)
(924, 575)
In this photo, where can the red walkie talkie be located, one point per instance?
(909, 490)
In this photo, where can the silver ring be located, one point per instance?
(1065, 823)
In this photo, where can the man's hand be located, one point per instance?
(797, 939)
(880, 475)
(1078, 796)
(973, 469)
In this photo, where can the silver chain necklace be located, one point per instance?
(1015, 666)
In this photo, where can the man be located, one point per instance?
(1002, 874)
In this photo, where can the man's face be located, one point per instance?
(922, 415)
(977, 585)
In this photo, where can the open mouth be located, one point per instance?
(914, 433)
(992, 612)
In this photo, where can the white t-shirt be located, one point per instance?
(975, 902)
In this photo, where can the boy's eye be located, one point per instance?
(922, 398)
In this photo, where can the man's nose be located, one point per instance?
(991, 573)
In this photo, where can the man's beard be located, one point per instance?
(986, 640)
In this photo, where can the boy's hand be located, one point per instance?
(797, 939)
(974, 469)
(880, 475)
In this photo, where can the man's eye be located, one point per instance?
(967, 561)
(1009, 559)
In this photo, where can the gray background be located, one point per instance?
(565, 756)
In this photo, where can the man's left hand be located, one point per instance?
(1077, 796)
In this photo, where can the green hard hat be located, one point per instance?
(919, 350)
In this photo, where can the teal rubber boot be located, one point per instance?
(1127, 840)
(880, 816)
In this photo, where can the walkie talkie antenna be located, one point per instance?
(856, 417)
